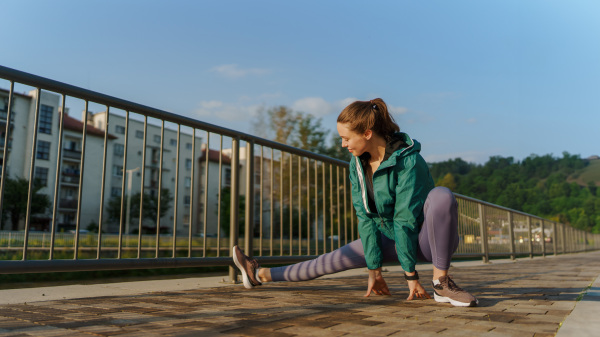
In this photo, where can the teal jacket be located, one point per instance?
(401, 184)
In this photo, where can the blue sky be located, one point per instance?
(469, 79)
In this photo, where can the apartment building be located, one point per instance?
(120, 173)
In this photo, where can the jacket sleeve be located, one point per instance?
(370, 234)
(411, 191)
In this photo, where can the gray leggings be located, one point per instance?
(438, 240)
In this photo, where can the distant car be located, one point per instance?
(207, 235)
(81, 231)
(334, 237)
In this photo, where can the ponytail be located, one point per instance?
(369, 115)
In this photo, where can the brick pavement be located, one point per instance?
(526, 298)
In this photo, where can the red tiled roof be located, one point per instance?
(213, 155)
(73, 124)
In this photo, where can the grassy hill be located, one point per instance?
(589, 173)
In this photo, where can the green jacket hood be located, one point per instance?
(400, 145)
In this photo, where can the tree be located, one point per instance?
(295, 128)
(277, 123)
(447, 181)
(310, 135)
(15, 200)
(226, 212)
(150, 206)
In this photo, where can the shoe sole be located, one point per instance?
(443, 299)
(247, 283)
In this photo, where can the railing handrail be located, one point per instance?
(86, 94)
(489, 204)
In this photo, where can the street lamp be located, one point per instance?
(129, 174)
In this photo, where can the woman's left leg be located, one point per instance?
(438, 240)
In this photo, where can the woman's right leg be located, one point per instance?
(347, 257)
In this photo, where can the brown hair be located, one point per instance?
(369, 115)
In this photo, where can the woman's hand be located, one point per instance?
(376, 283)
(416, 290)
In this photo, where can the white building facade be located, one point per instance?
(177, 173)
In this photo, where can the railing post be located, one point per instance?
(234, 204)
(585, 240)
(530, 237)
(511, 235)
(249, 221)
(555, 238)
(564, 238)
(543, 235)
(483, 228)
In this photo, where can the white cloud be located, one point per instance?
(319, 107)
(211, 104)
(341, 104)
(397, 110)
(315, 106)
(234, 71)
(225, 111)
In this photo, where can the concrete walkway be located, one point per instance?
(529, 297)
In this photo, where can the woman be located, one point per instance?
(401, 216)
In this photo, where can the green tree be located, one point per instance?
(309, 133)
(150, 206)
(226, 212)
(15, 200)
(447, 181)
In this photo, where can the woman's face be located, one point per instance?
(355, 142)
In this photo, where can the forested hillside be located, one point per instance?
(564, 189)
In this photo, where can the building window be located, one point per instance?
(188, 164)
(120, 129)
(186, 200)
(173, 142)
(117, 170)
(188, 181)
(119, 150)
(227, 177)
(71, 145)
(43, 150)
(115, 191)
(186, 219)
(157, 139)
(41, 176)
(188, 146)
(139, 134)
(45, 124)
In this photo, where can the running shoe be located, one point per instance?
(248, 266)
(448, 292)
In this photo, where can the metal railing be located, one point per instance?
(296, 204)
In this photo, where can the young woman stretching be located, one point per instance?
(401, 216)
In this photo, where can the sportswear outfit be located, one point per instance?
(401, 217)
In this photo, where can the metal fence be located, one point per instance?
(290, 204)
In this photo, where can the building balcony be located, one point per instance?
(67, 203)
(70, 179)
(71, 154)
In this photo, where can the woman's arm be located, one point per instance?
(414, 183)
(370, 234)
